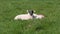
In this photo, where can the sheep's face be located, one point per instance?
(30, 12)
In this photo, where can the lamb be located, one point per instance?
(28, 16)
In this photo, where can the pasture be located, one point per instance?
(49, 25)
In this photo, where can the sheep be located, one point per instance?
(28, 16)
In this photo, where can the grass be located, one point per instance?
(49, 25)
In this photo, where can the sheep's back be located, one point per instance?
(23, 17)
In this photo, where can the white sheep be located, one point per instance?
(28, 16)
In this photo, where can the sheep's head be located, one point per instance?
(30, 12)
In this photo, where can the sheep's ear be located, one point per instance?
(34, 11)
(27, 10)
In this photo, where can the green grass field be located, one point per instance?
(49, 25)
